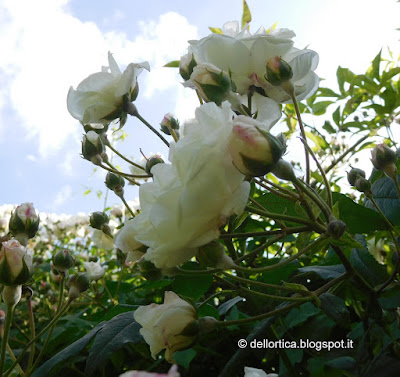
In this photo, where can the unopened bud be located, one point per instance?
(353, 174)
(213, 255)
(212, 83)
(92, 147)
(24, 220)
(362, 184)
(12, 295)
(384, 159)
(152, 161)
(284, 170)
(278, 71)
(186, 66)
(98, 219)
(169, 122)
(115, 182)
(78, 284)
(63, 260)
(208, 324)
(254, 152)
(336, 229)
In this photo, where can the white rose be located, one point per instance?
(98, 99)
(254, 372)
(245, 56)
(162, 325)
(15, 263)
(125, 241)
(94, 270)
(191, 198)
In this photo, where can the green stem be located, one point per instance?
(297, 229)
(273, 297)
(126, 204)
(287, 193)
(216, 294)
(51, 323)
(148, 125)
(119, 280)
(317, 227)
(260, 248)
(124, 174)
(32, 326)
(123, 157)
(9, 315)
(321, 239)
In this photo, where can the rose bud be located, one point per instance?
(169, 122)
(186, 66)
(362, 184)
(384, 159)
(93, 148)
(63, 261)
(94, 270)
(254, 152)
(78, 284)
(24, 220)
(353, 174)
(278, 71)
(211, 82)
(154, 160)
(336, 229)
(15, 263)
(284, 170)
(213, 255)
(171, 325)
(98, 219)
(115, 183)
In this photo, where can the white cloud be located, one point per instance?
(62, 196)
(45, 50)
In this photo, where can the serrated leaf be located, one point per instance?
(246, 17)
(68, 352)
(335, 308)
(358, 219)
(114, 335)
(173, 64)
(216, 30)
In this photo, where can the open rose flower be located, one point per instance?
(94, 270)
(245, 56)
(15, 263)
(173, 372)
(99, 98)
(254, 372)
(166, 325)
(191, 198)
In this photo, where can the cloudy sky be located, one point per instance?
(49, 45)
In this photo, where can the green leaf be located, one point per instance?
(227, 305)
(358, 219)
(299, 315)
(387, 75)
(113, 335)
(375, 65)
(385, 194)
(335, 308)
(246, 17)
(216, 30)
(183, 358)
(319, 142)
(367, 266)
(336, 116)
(173, 64)
(68, 352)
(346, 240)
(192, 286)
(328, 127)
(343, 362)
(326, 92)
(325, 272)
(319, 108)
(280, 273)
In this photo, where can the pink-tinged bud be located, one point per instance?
(186, 66)
(169, 122)
(384, 159)
(254, 152)
(353, 174)
(362, 184)
(15, 263)
(152, 161)
(24, 220)
(278, 71)
(213, 84)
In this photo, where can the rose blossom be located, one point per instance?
(173, 372)
(98, 99)
(191, 198)
(254, 372)
(162, 325)
(245, 56)
(94, 270)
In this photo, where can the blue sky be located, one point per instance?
(49, 45)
